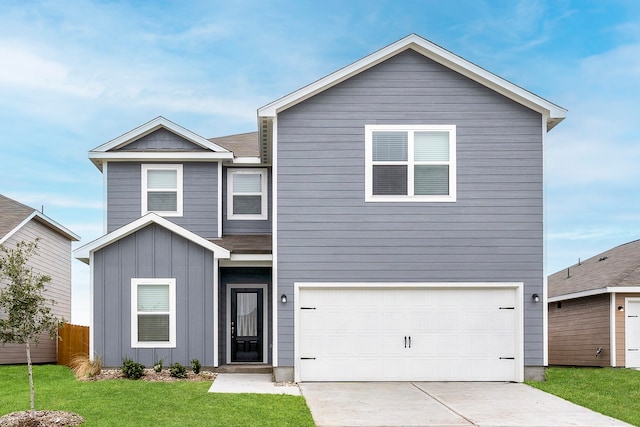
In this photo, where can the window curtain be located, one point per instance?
(247, 314)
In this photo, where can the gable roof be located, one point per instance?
(618, 267)
(109, 151)
(553, 113)
(14, 215)
(83, 253)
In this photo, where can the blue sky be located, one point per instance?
(76, 74)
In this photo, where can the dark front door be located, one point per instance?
(246, 325)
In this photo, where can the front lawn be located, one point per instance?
(142, 403)
(611, 391)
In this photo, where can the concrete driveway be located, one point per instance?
(443, 404)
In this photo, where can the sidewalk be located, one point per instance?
(251, 383)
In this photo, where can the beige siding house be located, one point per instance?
(22, 223)
(594, 310)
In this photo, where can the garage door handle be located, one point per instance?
(409, 341)
(405, 341)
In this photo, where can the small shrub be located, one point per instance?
(196, 366)
(84, 367)
(132, 370)
(178, 371)
(158, 365)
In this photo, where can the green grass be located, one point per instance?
(611, 391)
(142, 403)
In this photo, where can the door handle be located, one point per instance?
(409, 341)
(405, 341)
(233, 330)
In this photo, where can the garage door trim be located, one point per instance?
(517, 286)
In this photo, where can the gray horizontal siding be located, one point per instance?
(53, 259)
(200, 186)
(161, 140)
(153, 252)
(494, 232)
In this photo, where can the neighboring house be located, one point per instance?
(53, 258)
(384, 223)
(594, 310)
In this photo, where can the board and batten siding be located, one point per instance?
(492, 233)
(153, 252)
(577, 328)
(53, 258)
(200, 204)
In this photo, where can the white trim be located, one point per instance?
(545, 284)
(410, 162)
(554, 113)
(82, 253)
(247, 160)
(627, 300)
(47, 222)
(92, 329)
(219, 197)
(274, 240)
(612, 330)
(135, 283)
(216, 311)
(128, 156)
(105, 199)
(265, 317)
(591, 292)
(519, 305)
(145, 168)
(152, 126)
(264, 194)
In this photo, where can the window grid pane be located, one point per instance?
(247, 205)
(247, 183)
(153, 327)
(390, 180)
(162, 201)
(153, 298)
(162, 178)
(431, 146)
(431, 180)
(390, 146)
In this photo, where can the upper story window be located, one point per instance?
(247, 194)
(162, 189)
(410, 163)
(153, 313)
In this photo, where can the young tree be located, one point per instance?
(24, 313)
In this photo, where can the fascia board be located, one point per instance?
(552, 112)
(125, 156)
(47, 222)
(83, 252)
(153, 125)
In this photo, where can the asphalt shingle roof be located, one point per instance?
(619, 267)
(242, 144)
(12, 213)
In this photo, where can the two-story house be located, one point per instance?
(384, 223)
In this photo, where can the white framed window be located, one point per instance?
(162, 189)
(410, 163)
(153, 313)
(247, 194)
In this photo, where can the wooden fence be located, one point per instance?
(74, 339)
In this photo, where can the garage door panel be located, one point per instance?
(389, 334)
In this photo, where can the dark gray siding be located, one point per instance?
(241, 276)
(494, 232)
(161, 140)
(153, 252)
(200, 186)
(242, 226)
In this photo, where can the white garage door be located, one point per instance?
(408, 334)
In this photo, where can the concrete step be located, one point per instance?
(257, 368)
